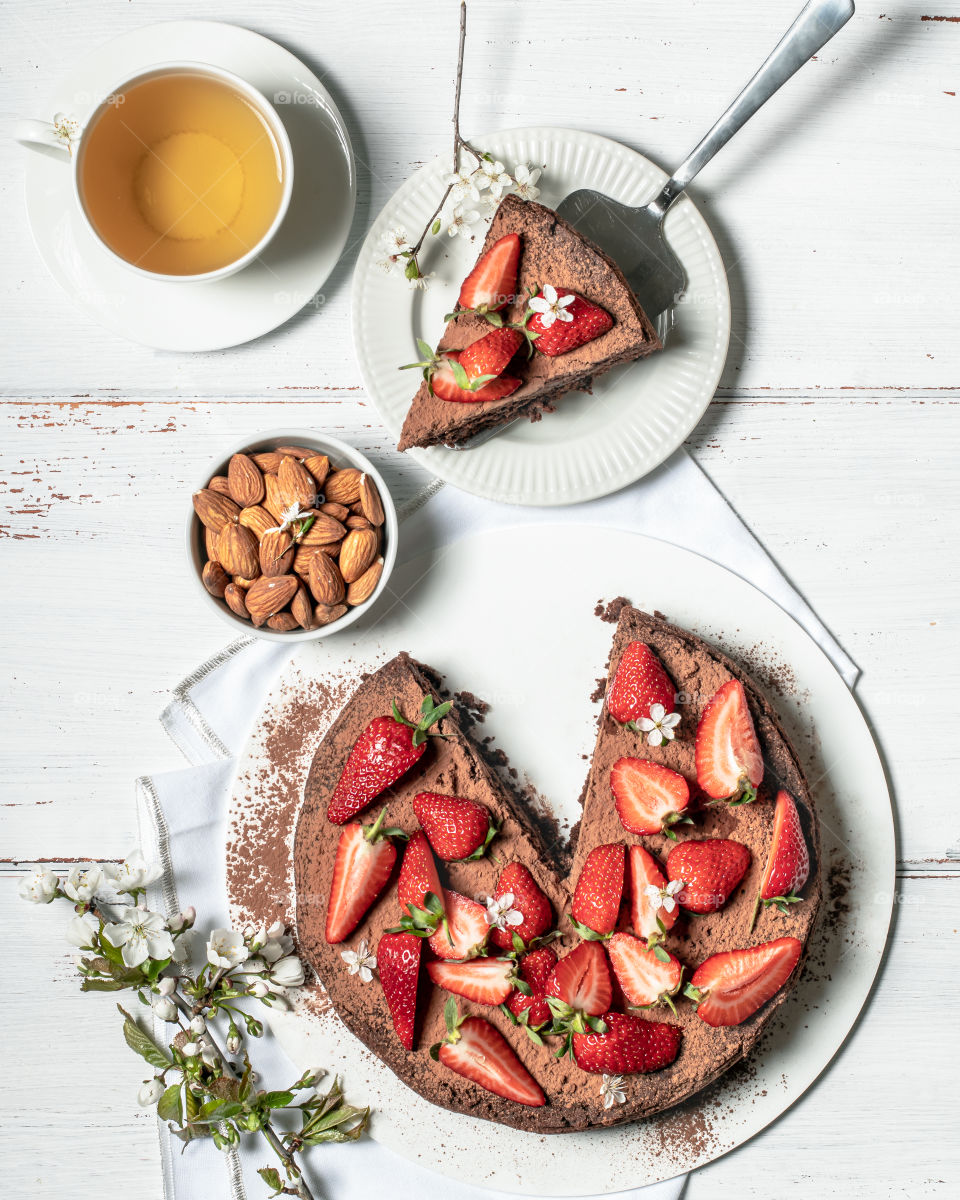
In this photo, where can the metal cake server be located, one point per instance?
(633, 237)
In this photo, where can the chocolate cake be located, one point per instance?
(553, 252)
(456, 766)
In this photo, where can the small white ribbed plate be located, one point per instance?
(593, 444)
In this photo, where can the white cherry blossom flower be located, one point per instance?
(612, 1090)
(466, 184)
(150, 1092)
(461, 221)
(123, 879)
(395, 241)
(66, 130)
(288, 972)
(501, 913)
(225, 949)
(419, 282)
(190, 1049)
(659, 726)
(360, 961)
(276, 948)
(276, 931)
(552, 307)
(496, 177)
(140, 935)
(82, 932)
(40, 887)
(526, 181)
(289, 515)
(663, 897)
(82, 883)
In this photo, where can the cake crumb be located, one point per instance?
(611, 611)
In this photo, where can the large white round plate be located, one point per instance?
(227, 312)
(593, 444)
(503, 615)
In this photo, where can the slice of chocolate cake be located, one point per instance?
(552, 253)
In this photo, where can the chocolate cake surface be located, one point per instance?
(456, 766)
(552, 251)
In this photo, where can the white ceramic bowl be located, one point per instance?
(340, 455)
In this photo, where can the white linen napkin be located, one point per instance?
(183, 813)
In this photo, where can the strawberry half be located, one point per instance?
(646, 977)
(709, 870)
(490, 354)
(599, 891)
(443, 382)
(493, 281)
(578, 322)
(484, 981)
(630, 1046)
(530, 1008)
(365, 858)
(731, 986)
(649, 798)
(651, 916)
(577, 991)
(419, 890)
(516, 881)
(465, 933)
(729, 761)
(477, 1051)
(398, 965)
(387, 749)
(788, 863)
(640, 682)
(457, 829)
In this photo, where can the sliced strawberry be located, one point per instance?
(646, 977)
(457, 828)
(650, 916)
(580, 982)
(731, 986)
(490, 354)
(365, 858)
(640, 682)
(709, 870)
(477, 1051)
(445, 386)
(729, 761)
(599, 891)
(630, 1046)
(398, 965)
(387, 749)
(788, 863)
(493, 281)
(535, 969)
(468, 929)
(516, 881)
(581, 321)
(484, 980)
(418, 875)
(649, 798)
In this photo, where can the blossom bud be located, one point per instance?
(198, 1025)
(276, 931)
(167, 985)
(190, 1049)
(150, 1092)
(209, 1056)
(165, 1008)
(233, 1042)
(183, 920)
(259, 988)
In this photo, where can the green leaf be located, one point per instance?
(460, 376)
(660, 954)
(168, 1106)
(412, 270)
(426, 351)
(103, 985)
(190, 1133)
(436, 226)
(141, 1042)
(451, 1015)
(219, 1110)
(271, 1177)
(275, 1099)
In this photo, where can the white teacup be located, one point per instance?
(67, 137)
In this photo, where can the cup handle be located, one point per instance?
(58, 136)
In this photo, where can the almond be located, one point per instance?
(302, 608)
(246, 481)
(343, 487)
(319, 467)
(241, 582)
(273, 501)
(297, 452)
(237, 550)
(269, 595)
(331, 549)
(338, 511)
(297, 485)
(276, 553)
(258, 520)
(323, 530)
(210, 543)
(370, 502)
(221, 484)
(234, 596)
(326, 582)
(353, 522)
(284, 621)
(302, 559)
(363, 588)
(358, 551)
(324, 614)
(268, 461)
(215, 579)
(214, 510)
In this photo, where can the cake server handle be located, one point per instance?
(813, 28)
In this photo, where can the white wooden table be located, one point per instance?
(834, 435)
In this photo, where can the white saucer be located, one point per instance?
(202, 316)
(637, 414)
